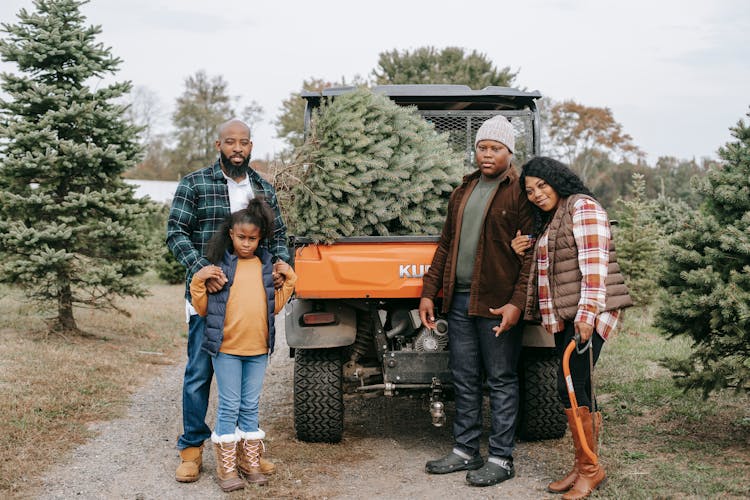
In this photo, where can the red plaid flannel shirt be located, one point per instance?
(592, 235)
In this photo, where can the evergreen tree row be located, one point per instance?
(707, 276)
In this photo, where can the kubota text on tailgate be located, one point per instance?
(412, 270)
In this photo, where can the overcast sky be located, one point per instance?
(676, 74)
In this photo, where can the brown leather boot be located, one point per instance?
(189, 469)
(590, 475)
(266, 466)
(567, 482)
(250, 452)
(225, 447)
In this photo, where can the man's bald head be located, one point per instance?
(234, 124)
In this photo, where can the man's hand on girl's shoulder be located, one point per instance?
(280, 270)
(213, 276)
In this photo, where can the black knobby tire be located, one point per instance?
(541, 414)
(318, 395)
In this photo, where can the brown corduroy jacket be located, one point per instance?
(500, 276)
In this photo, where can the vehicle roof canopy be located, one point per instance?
(438, 97)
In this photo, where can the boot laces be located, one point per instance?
(253, 451)
(228, 456)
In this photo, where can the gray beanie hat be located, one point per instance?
(499, 129)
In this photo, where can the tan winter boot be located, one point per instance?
(266, 466)
(225, 448)
(250, 451)
(189, 469)
(590, 475)
(567, 482)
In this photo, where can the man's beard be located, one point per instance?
(233, 170)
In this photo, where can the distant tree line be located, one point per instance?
(204, 104)
(588, 138)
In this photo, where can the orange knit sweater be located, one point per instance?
(245, 321)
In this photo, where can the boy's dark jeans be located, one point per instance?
(474, 352)
(196, 386)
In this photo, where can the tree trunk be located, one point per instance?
(65, 322)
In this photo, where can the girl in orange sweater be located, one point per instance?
(240, 335)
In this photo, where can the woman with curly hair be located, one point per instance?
(575, 287)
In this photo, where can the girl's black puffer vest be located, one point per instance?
(217, 302)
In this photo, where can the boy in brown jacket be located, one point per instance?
(483, 282)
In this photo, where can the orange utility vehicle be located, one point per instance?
(353, 325)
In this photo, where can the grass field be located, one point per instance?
(52, 387)
(661, 442)
(657, 442)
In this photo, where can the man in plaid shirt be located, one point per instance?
(202, 200)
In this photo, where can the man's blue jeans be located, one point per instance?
(474, 352)
(239, 380)
(196, 387)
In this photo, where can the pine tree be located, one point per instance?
(373, 168)
(70, 229)
(671, 214)
(203, 106)
(638, 239)
(707, 276)
(450, 65)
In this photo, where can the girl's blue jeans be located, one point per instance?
(239, 380)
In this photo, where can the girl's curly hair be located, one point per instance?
(559, 176)
(257, 213)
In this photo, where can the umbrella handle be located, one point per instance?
(573, 402)
(585, 347)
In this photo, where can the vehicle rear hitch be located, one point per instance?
(437, 408)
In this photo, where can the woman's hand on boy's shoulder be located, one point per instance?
(521, 243)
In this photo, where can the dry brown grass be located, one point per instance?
(657, 442)
(52, 387)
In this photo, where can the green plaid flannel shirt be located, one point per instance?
(200, 204)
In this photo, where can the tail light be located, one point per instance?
(319, 318)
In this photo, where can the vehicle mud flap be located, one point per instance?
(318, 395)
(540, 413)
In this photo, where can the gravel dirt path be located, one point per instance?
(382, 455)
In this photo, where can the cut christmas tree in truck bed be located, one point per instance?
(380, 165)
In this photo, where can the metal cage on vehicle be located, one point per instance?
(458, 111)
